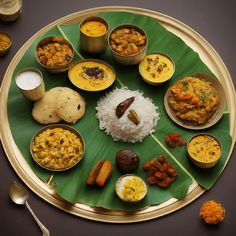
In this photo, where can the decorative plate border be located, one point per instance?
(43, 190)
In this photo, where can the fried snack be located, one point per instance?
(104, 173)
(160, 172)
(212, 212)
(94, 173)
(174, 140)
(100, 173)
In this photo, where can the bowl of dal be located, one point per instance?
(93, 34)
(91, 75)
(204, 150)
(156, 68)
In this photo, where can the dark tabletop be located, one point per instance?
(215, 21)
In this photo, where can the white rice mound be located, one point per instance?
(124, 129)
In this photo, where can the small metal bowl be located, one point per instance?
(30, 82)
(121, 181)
(154, 68)
(10, 10)
(129, 59)
(4, 50)
(81, 75)
(201, 150)
(55, 39)
(93, 43)
(65, 127)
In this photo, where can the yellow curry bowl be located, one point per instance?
(128, 44)
(131, 188)
(5, 43)
(57, 147)
(156, 68)
(93, 34)
(204, 150)
(55, 54)
(91, 75)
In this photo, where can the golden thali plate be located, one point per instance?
(45, 191)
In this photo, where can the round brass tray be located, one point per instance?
(43, 190)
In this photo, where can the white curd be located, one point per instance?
(28, 80)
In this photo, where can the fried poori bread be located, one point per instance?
(59, 103)
(44, 110)
(70, 105)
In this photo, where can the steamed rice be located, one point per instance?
(124, 129)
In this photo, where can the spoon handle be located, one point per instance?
(42, 227)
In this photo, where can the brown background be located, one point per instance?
(215, 21)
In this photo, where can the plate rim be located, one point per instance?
(43, 190)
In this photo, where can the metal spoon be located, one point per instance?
(19, 195)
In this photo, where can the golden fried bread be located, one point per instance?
(44, 110)
(70, 105)
(59, 103)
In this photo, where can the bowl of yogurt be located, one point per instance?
(30, 82)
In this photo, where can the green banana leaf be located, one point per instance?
(70, 184)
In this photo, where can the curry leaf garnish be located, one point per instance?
(204, 95)
(185, 85)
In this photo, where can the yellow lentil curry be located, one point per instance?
(57, 149)
(193, 99)
(156, 68)
(91, 75)
(93, 28)
(204, 148)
